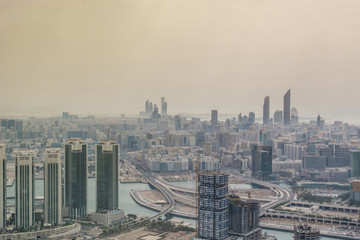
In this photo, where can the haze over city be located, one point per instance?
(109, 57)
(180, 119)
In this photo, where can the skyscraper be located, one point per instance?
(251, 117)
(287, 108)
(24, 200)
(244, 217)
(261, 162)
(2, 186)
(355, 159)
(52, 187)
(266, 110)
(213, 205)
(214, 117)
(163, 107)
(76, 169)
(107, 175)
(147, 108)
(278, 116)
(177, 122)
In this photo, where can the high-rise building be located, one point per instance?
(251, 117)
(2, 186)
(155, 113)
(213, 205)
(52, 187)
(262, 162)
(355, 159)
(147, 108)
(266, 110)
(76, 170)
(107, 175)
(177, 122)
(278, 116)
(24, 196)
(305, 232)
(244, 217)
(163, 107)
(287, 108)
(214, 117)
(294, 116)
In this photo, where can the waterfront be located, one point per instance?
(127, 203)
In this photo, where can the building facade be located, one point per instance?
(244, 216)
(213, 205)
(261, 162)
(287, 108)
(24, 196)
(305, 232)
(52, 187)
(2, 186)
(76, 170)
(266, 110)
(355, 159)
(214, 117)
(107, 175)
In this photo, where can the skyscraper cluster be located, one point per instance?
(152, 110)
(75, 182)
(287, 116)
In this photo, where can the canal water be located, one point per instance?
(127, 203)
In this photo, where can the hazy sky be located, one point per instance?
(109, 56)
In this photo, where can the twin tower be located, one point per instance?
(76, 170)
(73, 203)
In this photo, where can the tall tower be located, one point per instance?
(24, 203)
(214, 117)
(2, 186)
(107, 175)
(244, 217)
(163, 107)
(76, 169)
(287, 108)
(261, 162)
(52, 187)
(266, 110)
(355, 162)
(213, 205)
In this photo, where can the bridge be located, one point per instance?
(326, 207)
(309, 218)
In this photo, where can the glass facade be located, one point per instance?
(53, 187)
(2, 187)
(107, 176)
(24, 174)
(76, 170)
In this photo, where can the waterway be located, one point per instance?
(127, 203)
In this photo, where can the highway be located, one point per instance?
(166, 192)
(284, 194)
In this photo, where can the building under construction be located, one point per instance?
(212, 205)
(244, 217)
(306, 232)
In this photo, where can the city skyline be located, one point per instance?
(151, 55)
